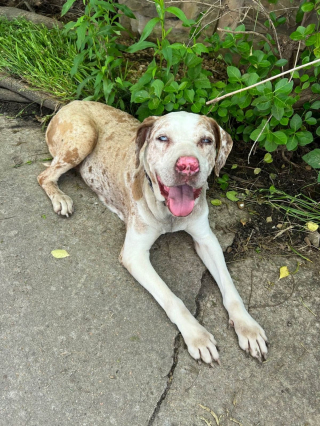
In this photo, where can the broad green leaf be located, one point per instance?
(216, 202)
(277, 112)
(140, 46)
(153, 103)
(295, 122)
(234, 74)
(232, 195)
(179, 14)
(268, 158)
(284, 86)
(312, 121)
(279, 138)
(148, 28)
(307, 7)
(315, 105)
(292, 143)
(67, 6)
(304, 138)
(315, 88)
(140, 96)
(313, 158)
(281, 62)
(158, 87)
(189, 95)
(270, 146)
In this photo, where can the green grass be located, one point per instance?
(41, 57)
(299, 207)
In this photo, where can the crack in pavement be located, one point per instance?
(178, 341)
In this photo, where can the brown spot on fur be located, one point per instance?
(137, 186)
(90, 169)
(71, 156)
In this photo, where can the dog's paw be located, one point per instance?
(252, 337)
(62, 204)
(201, 344)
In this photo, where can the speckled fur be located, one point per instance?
(113, 151)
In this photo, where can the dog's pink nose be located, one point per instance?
(187, 166)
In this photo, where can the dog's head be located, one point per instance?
(180, 151)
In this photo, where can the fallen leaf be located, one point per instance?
(243, 221)
(60, 254)
(269, 219)
(284, 272)
(216, 202)
(232, 196)
(312, 226)
(257, 171)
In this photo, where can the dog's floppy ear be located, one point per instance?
(223, 145)
(142, 135)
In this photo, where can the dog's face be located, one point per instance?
(180, 152)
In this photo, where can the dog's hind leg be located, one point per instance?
(69, 142)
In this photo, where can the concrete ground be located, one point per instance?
(82, 343)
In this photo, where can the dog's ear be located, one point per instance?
(142, 135)
(223, 145)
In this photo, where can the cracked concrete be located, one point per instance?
(81, 343)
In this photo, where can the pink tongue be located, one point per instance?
(181, 200)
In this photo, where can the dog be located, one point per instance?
(153, 175)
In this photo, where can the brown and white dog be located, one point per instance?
(154, 176)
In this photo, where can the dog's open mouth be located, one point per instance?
(179, 199)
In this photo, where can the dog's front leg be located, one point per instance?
(135, 257)
(252, 337)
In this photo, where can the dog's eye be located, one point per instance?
(206, 140)
(163, 138)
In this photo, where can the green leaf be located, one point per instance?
(292, 143)
(307, 7)
(158, 87)
(318, 131)
(313, 158)
(284, 121)
(283, 86)
(270, 146)
(148, 28)
(222, 112)
(153, 103)
(179, 14)
(216, 202)
(315, 105)
(315, 88)
(279, 138)
(295, 122)
(234, 74)
(296, 36)
(312, 121)
(232, 195)
(67, 6)
(140, 46)
(140, 96)
(304, 138)
(268, 158)
(277, 112)
(281, 62)
(189, 95)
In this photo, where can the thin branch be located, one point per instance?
(254, 144)
(262, 82)
(271, 23)
(249, 32)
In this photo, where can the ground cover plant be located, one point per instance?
(94, 66)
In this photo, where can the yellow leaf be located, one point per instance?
(60, 254)
(312, 226)
(284, 272)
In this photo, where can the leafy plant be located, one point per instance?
(96, 34)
